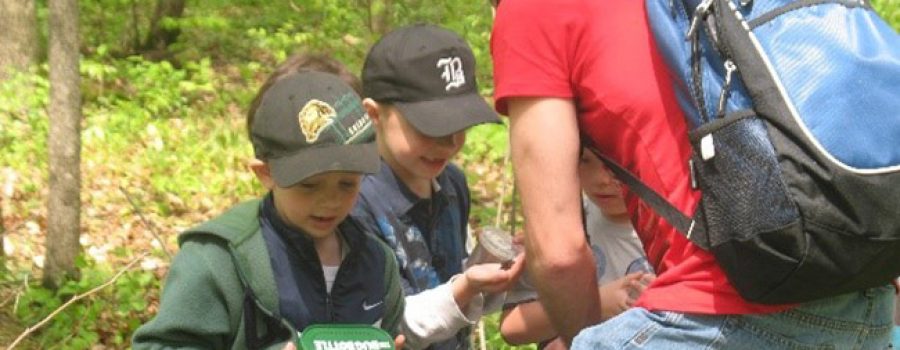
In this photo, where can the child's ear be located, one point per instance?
(261, 169)
(373, 110)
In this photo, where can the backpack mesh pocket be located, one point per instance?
(743, 193)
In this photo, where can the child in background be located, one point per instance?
(622, 268)
(256, 275)
(422, 96)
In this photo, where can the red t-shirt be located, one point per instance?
(600, 54)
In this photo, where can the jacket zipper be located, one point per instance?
(329, 308)
(329, 305)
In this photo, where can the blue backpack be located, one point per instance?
(794, 116)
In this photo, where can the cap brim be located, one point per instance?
(357, 158)
(449, 115)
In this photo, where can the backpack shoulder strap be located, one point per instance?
(234, 225)
(239, 227)
(684, 224)
(393, 293)
(457, 179)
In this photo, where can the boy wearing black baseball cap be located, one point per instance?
(256, 275)
(422, 96)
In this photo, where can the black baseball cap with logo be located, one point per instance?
(310, 123)
(428, 73)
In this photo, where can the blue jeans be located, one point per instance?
(859, 320)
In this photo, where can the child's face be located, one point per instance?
(318, 203)
(599, 184)
(414, 156)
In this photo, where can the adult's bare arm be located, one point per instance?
(545, 152)
(526, 323)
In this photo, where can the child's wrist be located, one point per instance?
(463, 290)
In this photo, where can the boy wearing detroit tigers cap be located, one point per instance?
(422, 96)
(264, 270)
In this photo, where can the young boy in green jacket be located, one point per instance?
(264, 270)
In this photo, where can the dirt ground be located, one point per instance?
(10, 329)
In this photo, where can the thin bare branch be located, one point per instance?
(482, 341)
(14, 296)
(294, 6)
(75, 299)
(503, 183)
(24, 289)
(147, 223)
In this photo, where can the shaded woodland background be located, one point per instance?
(122, 124)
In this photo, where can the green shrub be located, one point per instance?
(108, 316)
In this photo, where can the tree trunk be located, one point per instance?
(18, 35)
(381, 13)
(159, 37)
(64, 145)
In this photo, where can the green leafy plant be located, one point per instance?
(102, 318)
(889, 10)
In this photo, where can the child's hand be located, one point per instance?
(619, 295)
(487, 279)
(399, 341)
(494, 278)
(637, 287)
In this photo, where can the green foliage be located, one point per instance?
(172, 136)
(494, 340)
(105, 317)
(889, 10)
(490, 143)
(120, 25)
(24, 126)
(483, 157)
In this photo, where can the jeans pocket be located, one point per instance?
(765, 332)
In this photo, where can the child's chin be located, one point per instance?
(319, 230)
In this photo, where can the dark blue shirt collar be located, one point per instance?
(399, 197)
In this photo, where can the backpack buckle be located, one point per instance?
(707, 147)
(699, 14)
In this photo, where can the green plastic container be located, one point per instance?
(345, 337)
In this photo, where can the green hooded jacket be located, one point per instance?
(222, 269)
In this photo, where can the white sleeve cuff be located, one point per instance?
(432, 316)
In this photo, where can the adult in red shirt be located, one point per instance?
(569, 67)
